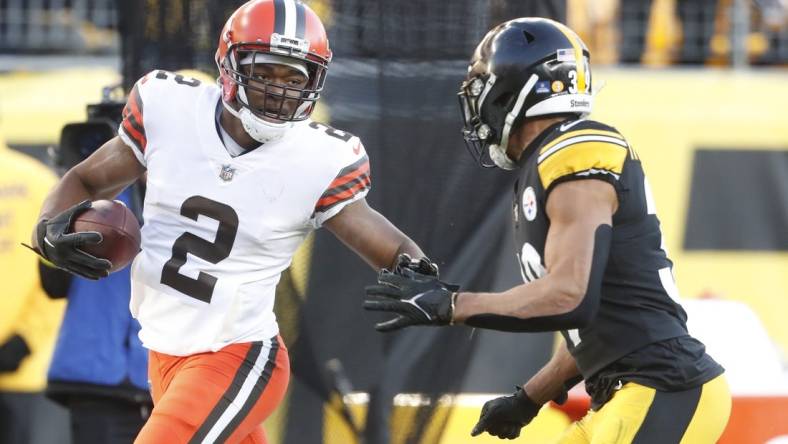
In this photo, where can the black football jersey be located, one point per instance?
(638, 304)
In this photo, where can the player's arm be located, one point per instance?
(371, 235)
(553, 380)
(576, 251)
(567, 297)
(505, 416)
(103, 175)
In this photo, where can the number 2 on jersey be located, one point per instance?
(213, 252)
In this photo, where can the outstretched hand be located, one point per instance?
(416, 299)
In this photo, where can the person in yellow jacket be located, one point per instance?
(29, 320)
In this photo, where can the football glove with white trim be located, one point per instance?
(62, 248)
(416, 299)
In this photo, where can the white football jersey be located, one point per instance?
(219, 230)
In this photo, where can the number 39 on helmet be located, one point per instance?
(279, 30)
(522, 68)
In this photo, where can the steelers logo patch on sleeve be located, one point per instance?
(529, 204)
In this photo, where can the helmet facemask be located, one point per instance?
(475, 132)
(281, 103)
(487, 138)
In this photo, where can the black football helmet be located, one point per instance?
(522, 68)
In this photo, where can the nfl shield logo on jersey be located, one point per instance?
(227, 173)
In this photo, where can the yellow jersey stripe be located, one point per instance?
(579, 139)
(579, 59)
(583, 132)
(579, 157)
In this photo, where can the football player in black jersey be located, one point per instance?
(590, 251)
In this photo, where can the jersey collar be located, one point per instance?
(535, 144)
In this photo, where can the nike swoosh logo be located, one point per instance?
(412, 301)
(566, 126)
(46, 241)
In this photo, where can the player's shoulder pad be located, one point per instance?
(340, 145)
(351, 176)
(155, 94)
(162, 86)
(582, 148)
(162, 89)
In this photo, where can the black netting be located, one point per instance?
(171, 34)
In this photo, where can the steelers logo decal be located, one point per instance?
(529, 204)
(557, 86)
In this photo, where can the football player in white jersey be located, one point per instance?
(237, 176)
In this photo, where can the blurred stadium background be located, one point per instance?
(699, 87)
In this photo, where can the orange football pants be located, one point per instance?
(221, 397)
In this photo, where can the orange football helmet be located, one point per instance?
(281, 28)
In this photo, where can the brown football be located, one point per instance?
(118, 227)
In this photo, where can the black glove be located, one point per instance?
(62, 248)
(505, 416)
(416, 298)
(12, 352)
(422, 266)
(55, 281)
